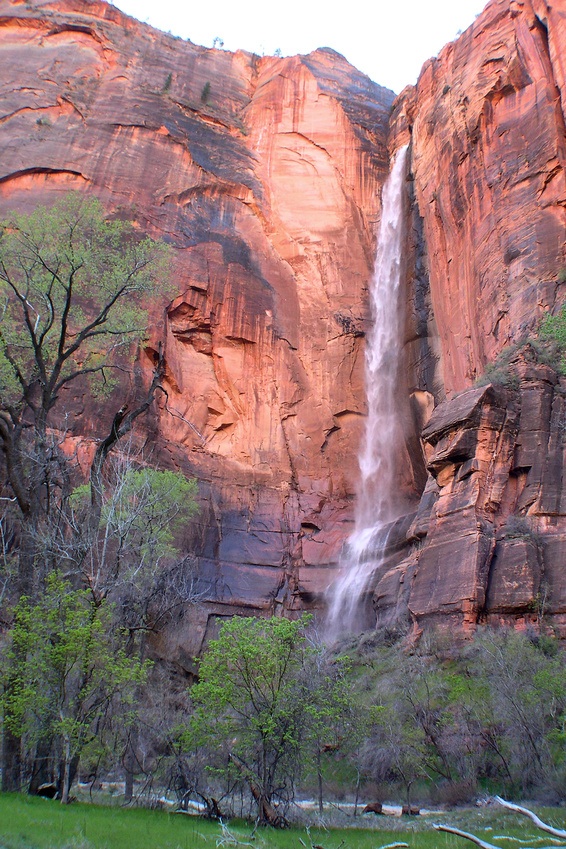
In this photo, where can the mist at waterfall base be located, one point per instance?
(378, 503)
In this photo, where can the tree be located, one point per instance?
(135, 562)
(71, 286)
(334, 720)
(525, 683)
(261, 702)
(71, 665)
(143, 510)
(492, 710)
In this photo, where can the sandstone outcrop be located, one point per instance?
(487, 238)
(486, 124)
(264, 174)
(487, 543)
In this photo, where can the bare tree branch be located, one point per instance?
(557, 832)
(121, 425)
(466, 835)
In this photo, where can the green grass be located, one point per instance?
(31, 823)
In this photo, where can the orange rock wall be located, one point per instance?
(486, 253)
(486, 123)
(264, 174)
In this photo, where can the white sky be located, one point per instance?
(386, 39)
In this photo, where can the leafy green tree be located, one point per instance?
(72, 286)
(71, 289)
(260, 703)
(136, 564)
(334, 713)
(395, 749)
(71, 666)
(491, 710)
(143, 511)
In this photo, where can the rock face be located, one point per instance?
(486, 123)
(264, 174)
(486, 242)
(488, 541)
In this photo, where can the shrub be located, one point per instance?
(552, 333)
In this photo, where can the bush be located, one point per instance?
(500, 372)
(552, 333)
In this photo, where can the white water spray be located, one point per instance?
(377, 502)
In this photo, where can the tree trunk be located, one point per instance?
(319, 777)
(40, 773)
(11, 761)
(267, 814)
(66, 779)
(357, 799)
(129, 764)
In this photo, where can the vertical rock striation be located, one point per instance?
(264, 174)
(486, 126)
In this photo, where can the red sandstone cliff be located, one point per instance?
(487, 132)
(486, 123)
(264, 174)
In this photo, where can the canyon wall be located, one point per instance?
(264, 174)
(487, 241)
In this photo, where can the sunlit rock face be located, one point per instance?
(486, 122)
(265, 175)
(486, 126)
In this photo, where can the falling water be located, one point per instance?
(377, 502)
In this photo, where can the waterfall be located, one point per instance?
(377, 502)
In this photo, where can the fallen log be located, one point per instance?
(466, 835)
(557, 832)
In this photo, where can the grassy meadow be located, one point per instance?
(33, 823)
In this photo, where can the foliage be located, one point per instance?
(491, 712)
(70, 287)
(264, 699)
(71, 665)
(500, 372)
(552, 331)
(525, 684)
(547, 345)
(143, 511)
(148, 507)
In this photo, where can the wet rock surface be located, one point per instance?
(485, 545)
